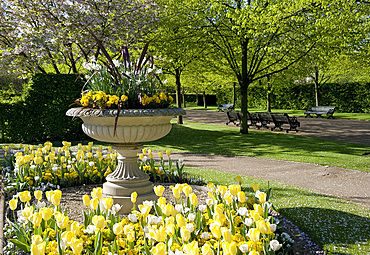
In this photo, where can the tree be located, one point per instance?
(176, 42)
(262, 38)
(39, 36)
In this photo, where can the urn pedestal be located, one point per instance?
(133, 127)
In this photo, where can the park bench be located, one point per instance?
(234, 117)
(277, 119)
(225, 107)
(321, 110)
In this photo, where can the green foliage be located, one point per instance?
(346, 97)
(41, 115)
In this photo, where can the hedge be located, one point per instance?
(40, 115)
(346, 97)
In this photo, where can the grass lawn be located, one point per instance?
(338, 226)
(224, 140)
(299, 113)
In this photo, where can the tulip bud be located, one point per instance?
(133, 197)
(86, 200)
(38, 194)
(13, 204)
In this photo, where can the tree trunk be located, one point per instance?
(183, 98)
(178, 94)
(244, 84)
(196, 98)
(204, 100)
(234, 93)
(268, 98)
(316, 80)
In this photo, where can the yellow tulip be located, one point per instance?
(160, 154)
(262, 197)
(107, 202)
(168, 152)
(46, 213)
(226, 233)
(254, 234)
(75, 227)
(215, 230)
(207, 249)
(192, 248)
(222, 190)
(161, 201)
(98, 221)
(38, 160)
(86, 200)
(176, 191)
(97, 193)
(255, 215)
(258, 208)
(170, 229)
(168, 209)
(77, 246)
(241, 197)
(228, 199)
(181, 222)
(193, 199)
(131, 237)
(36, 219)
(145, 209)
(187, 190)
(38, 249)
(211, 187)
(13, 204)
(117, 228)
(232, 248)
(94, 203)
(185, 234)
(256, 187)
(238, 179)
(62, 221)
(68, 237)
(27, 212)
(133, 197)
(38, 194)
(159, 249)
(159, 190)
(234, 189)
(24, 196)
(141, 156)
(263, 227)
(55, 199)
(253, 253)
(144, 151)
(210, 195)
(36, 239)
(158, 234)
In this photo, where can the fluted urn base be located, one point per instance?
(128, 178)
(132, 127)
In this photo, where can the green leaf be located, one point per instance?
(21, 245)
(98, 243)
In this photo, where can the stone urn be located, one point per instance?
(134, 126)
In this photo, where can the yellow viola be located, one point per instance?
(13, 204)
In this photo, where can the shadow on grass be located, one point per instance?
(202, 138)
(333, 230)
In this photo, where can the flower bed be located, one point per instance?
(228, 223)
